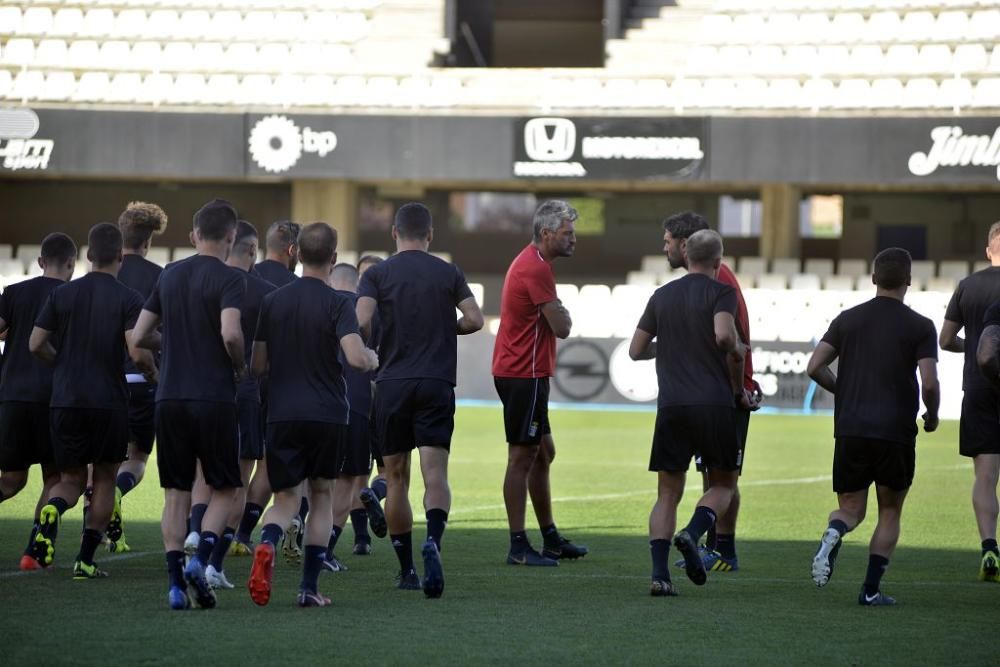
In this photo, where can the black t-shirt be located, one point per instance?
(690, 367)
(967, 307)
(257, 289)
(302, 324)
(992, 316)
(879, 344)
(416, 294)
(25, 377)
(190, 298)
(359, 385)
(141, 275)
(274, 272)
(90, 316)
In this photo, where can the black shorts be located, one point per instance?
(302, 450)
(414, 413)
(25, 436)
(141, 415)
(857, 462)
(81, 436)
(192, 431)
(250, 416)
(742, 420)
(356, 454)
(685, 431)
(979, 429)
(525, 409)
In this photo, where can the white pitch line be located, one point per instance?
(109, 559)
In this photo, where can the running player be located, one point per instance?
(303, 327)
(719, 552)
(91, 322)
(699, 367)
(278, 267)
(979, 430)
(26, 382)
(138, 223)
(880, 344)
(415, 295)
(524, 358)
(198, 302)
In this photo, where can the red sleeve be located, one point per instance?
(540, 284)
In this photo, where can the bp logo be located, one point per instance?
(276, 143)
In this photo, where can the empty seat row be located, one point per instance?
(822, 267)
(732, 6)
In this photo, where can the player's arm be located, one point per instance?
(365, 311)
(471, 320)
(232, 338)
(819, 366)
(558, 318)
(988, 354)
(728, 340)
(930, 392)
(949, 339)
(357, 355)
(142, 358)
(145, 333)
(642, 346)
(40, 344)
(258, 358)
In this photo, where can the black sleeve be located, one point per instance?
(5, 305)
(832, 336)
(233, 291)
(461, 287)
(133, 306)
(992, 315)
(927, 346)
(954, 311)
(48, 318)
(346, 318)
(648, 320)
(726, 302)
(153, 302)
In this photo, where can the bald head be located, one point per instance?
(317, 245)
(704, 249)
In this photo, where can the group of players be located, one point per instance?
(231, 365)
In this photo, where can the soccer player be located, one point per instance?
(881, 344)
(719, 551)
(524, 358)
(278, 267)
(197, 301)
(84, 330)
(138, 223)
(699, 368)
(26, 382)
(302, 329)
(979, 429)
(415, 295)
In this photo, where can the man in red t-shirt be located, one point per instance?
(720, 542)
(524, 358)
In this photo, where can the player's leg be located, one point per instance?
(883, 543)
(50, 477)
(984, 502)
(258, 496)
(102, 501)
(11, 483)
(215, 572)
(437, 504)
(342, 496)
(662, 524)
(176, 463)
(555, 545)
(399, 516)
(373, 494)
(141, 411)
(64, 496)
(359, 518)
(721, 539)
(201, 496)
(853, 473)
(318, 527)
(520, 459)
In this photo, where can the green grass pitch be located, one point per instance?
(593, 611)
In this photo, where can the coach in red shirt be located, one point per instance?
(524, 358)
(720, 546)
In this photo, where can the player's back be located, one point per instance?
(140, 274)
(189, 299)
(416, 294)
(359, 387)
(274, 272)
(24, 377)
(974, 294)
(302, 324)
(879, 343)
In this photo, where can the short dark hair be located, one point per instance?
(139, 221)
(58, 247)
(368, 259)
(891, 268)
(244, 231)
(413, 221)
(215, 219)
(105, 244)
(682, 225)
(345, 271)
(317, 244)
(282, 234)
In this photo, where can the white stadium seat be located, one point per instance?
(222, 89)
(51, 53)
(754, 266)
(59, 86)
(843, 283)
(970, 58)
(124, 88)
(954, 269)
(36, 21)
(115, 54)
(18, 52)
(852, 267)
(27, 86)
(10, 20)
(98, 23)
(84, 54)
(818, 266)
(986, 93)
(922, 269)
(68, 22)
(955, 93)
(772, 281)
(804, 281)
(93, 87)
(786, 266)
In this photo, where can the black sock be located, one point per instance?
(660, 551)
(877, 566)
(550, 534)
(312, 564)
(990, 545)
(271, 533)
(726, 545)
(126, 482)
(206, 545)
(380, 488)
(334, 536)
(359, 522)
(702, 519)
(88, 545)
(839, 526)
(437, 519)
(197, 514)
(303, 509)
(403, 544)
(175, 569)
(519, 541)
(222, 548)
(251, 515)
(31, 537)
(61, 505)
(712, 539)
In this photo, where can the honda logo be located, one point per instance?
(549, 139)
